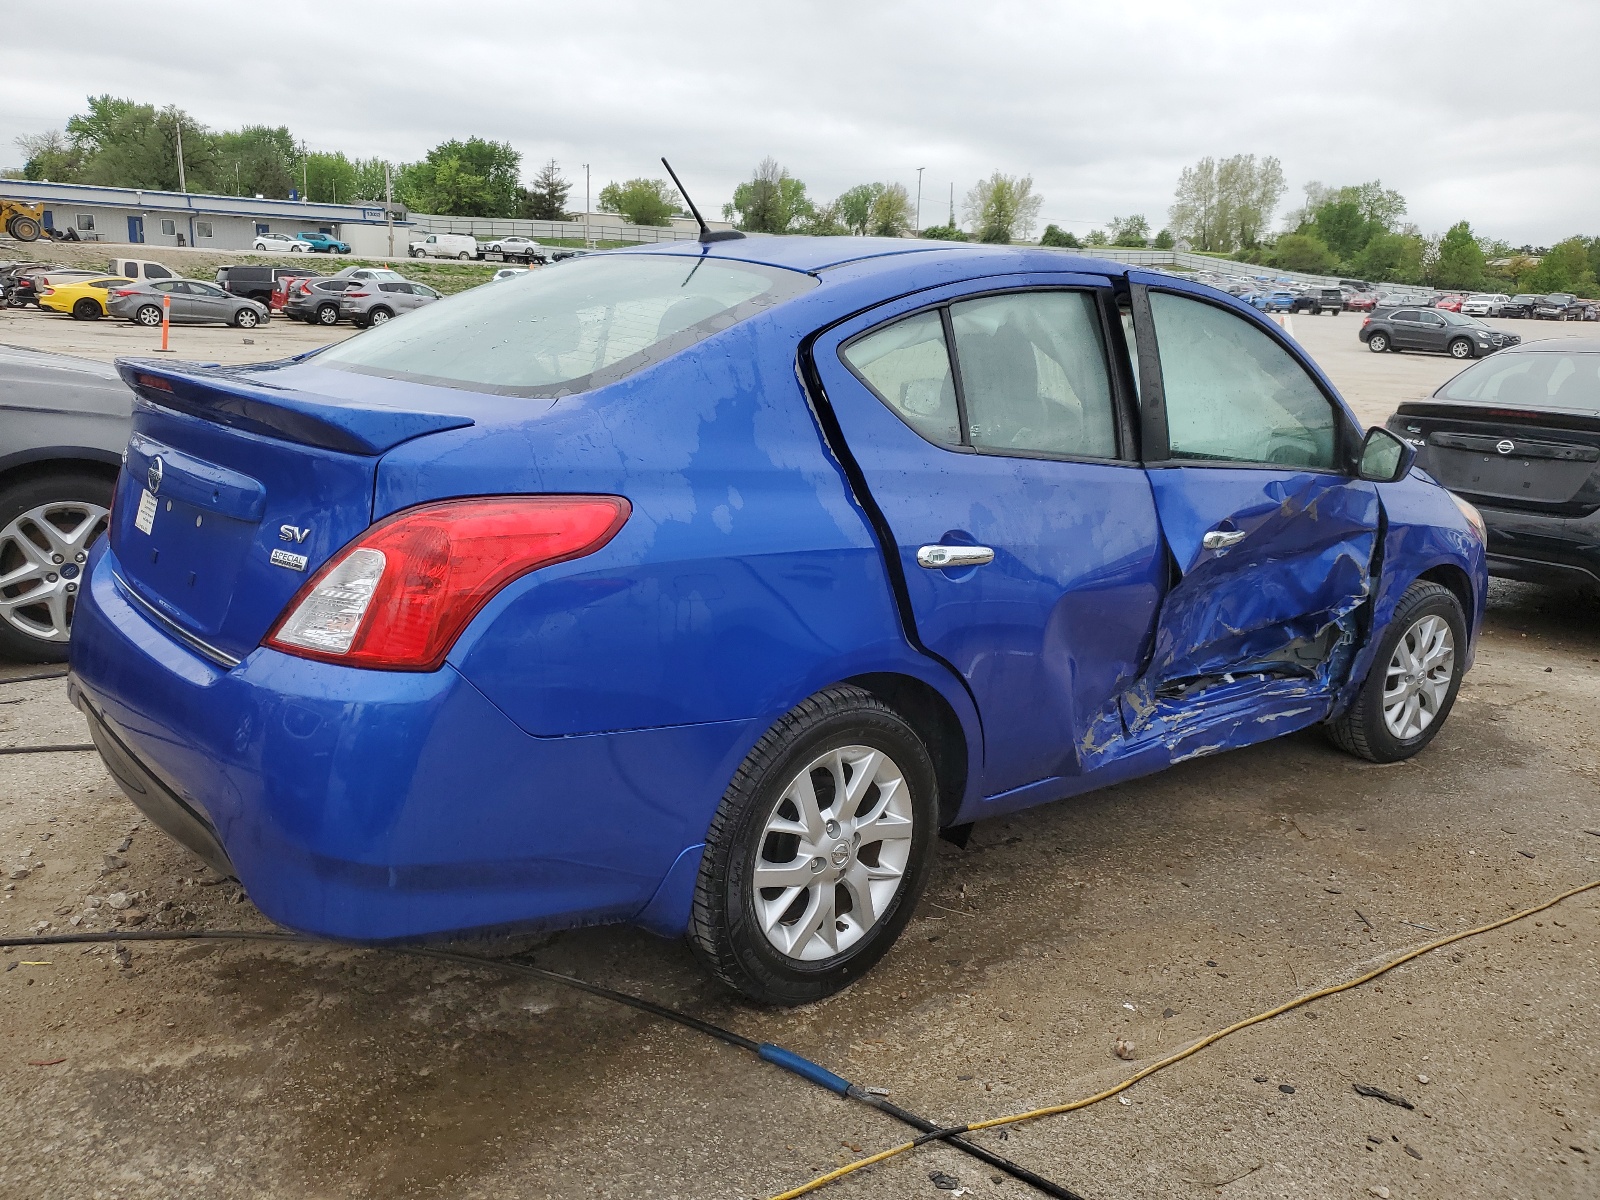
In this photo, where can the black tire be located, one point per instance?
(86, 310)
(463, 256)
(378, 315)
(24, 229)
(414, 252)
(148, 315)
(327, 314)
(723, 925)
(1460, 348)
(1378, 342)
(246, 318)
(1361, 730)
(66, 487)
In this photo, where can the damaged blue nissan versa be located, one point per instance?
(702, 586)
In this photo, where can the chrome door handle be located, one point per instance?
(1219, 539)
(937, 557)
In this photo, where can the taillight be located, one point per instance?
(1366, 321)
(45, 291)
(397, 597)
(358, 295)
(123, 292)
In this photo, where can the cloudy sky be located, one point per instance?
(1470, 109)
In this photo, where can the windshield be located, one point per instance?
(1570, 382)
(1560, 298)
(568, 328)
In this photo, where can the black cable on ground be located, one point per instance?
(42, 749)
(34, 678)
(778, 1056)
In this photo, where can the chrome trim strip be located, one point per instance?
(204, 648)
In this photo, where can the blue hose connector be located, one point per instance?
(803, 1067)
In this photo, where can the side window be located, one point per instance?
(1235, 395)
(1033, 374)
(907, 365)
(155, 271)
(1433, 319)
(1405, 314)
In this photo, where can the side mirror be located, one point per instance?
(1385, 457)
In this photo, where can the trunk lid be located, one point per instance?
(1518, 458)
(237, 489)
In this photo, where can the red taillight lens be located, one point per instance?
(397, 597)
(47, 291)
(123, 292)
(1366, 320)
(358, 295)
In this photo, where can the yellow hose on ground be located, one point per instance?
(1055, 1109)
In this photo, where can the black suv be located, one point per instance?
(1319, 300)
(1558, 306)
(1432, 329)
(255, 283)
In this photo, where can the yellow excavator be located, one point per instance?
(22, 221)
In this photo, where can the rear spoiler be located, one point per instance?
(222, 395)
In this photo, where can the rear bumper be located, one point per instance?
(374, 806)
(1544, 549)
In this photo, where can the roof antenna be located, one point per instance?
(706, 234)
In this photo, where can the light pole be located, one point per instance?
(920, 170)
(177, 124)
(585, 206)
(305, 175)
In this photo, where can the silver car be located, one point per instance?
(372, 302)
(514, 248)
(192, 302)
(66, 422)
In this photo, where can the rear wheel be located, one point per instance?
(24, 229)
(148, 315)
(86, 310)
(818, 852)
(1413, 681)
(46, 525)
(327, 314)
(378, 316)
(1378, 343)
(1460, 348)
(463, 255)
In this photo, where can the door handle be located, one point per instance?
(938, 557)
(1220, 539)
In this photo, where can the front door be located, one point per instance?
(136, 230)
(1271, 535)
(1432, 331)
(996, 445)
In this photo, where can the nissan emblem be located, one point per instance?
(1504, 445)
(152, 477)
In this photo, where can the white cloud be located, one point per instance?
(1471, 109)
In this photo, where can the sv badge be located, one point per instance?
(293, 533)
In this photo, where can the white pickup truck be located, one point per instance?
(446, 245)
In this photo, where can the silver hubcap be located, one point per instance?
(42, 555)
(1418, 679)
(833, 853)
(378, 318)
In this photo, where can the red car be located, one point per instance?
(1360, 302)
(1449, 303)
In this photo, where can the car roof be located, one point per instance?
(1555, 346)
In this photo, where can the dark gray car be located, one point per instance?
(193, 302)
(1432, 329)
(63, 424)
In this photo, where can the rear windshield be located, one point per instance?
(1563, 381)
(568, 328)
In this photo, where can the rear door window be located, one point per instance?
(908, 366)
(551, 333)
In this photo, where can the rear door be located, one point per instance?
(1271, 540)
(996, 446)
(211, 303)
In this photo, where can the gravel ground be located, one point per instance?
(1152, 912)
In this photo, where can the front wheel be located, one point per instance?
(1461, 348)
(819, 851)
(1413, 681)
(246, 318)
(1378, 343)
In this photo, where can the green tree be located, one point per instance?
(1097, 237)
(949, 233)
(1129, 231)
(1460, 261)
(1563, 268)
(1054, 235)
(1391, 258)
(546, 200)
(331, 178)
(126, 144)
(825, 221)
(474, 178)
(1003, 208)
(770, 201)
(257, 161)
(641, 201)
(1303, 252)
(1164, 240)
(50, 155)
(891, 212)
(855, 206)
(1342, 228)
(1220, 206)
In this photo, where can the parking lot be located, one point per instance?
(1152, 912)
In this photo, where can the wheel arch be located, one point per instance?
(44, 461)
(936, 722)
(1450, 576)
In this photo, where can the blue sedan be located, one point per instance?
(704, 586)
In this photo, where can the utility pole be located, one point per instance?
(952, 206)
(305, 175)
(586, 206)
(388, 205)
(177, 123)
(920, 170)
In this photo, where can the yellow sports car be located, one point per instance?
(85, 299)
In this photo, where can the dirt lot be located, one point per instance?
(1155, 911)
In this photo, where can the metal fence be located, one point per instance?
(1241, 272)
(488, 228)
